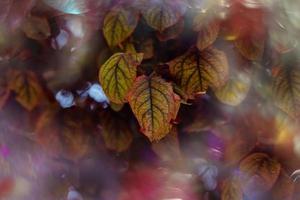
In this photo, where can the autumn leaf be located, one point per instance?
(116, 131)
(259, 173)
(117, 75)
(208, 30)
(163, 14)
(196, 71)
(154, 104)
(27, 88)
(231, 189)
(13, 12)
(250, 48)
(36, 28)
(286, 90)
(172, 32)
(235, 90)
(118, 25)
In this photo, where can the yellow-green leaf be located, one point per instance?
(196, 71)
(116, 131)
(259, 172)
(231, 189)
(154, 104)
(27, 88)
(235, 90)
(117, 75)
(118, 25)
(286, 90)
(163, 14)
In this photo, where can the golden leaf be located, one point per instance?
(118, 25)
(250, 48)
(286, 90)
(208, 30)
(154, 104)
(235, 90)
(231, 189)
(117, 75)
(28, 91)
(116, 131)
(196, 71)
(163, 14)
(259, 172)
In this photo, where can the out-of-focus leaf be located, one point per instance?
(250, 48)
(36, 28)
(208, 30)
(163, 14)
(154, 104)
(172, 32)
(286, 90)
(4, 91)
(74, 6)
(146, 47)
(259, 173)
(235, 90)
(116, 131)
(13, 12)
(196, 71)
(63, 135)
(119, 25)
(117, 75)
(231, 189)
(27, 88)
(168, 149)
(283, 188)
(116, 107)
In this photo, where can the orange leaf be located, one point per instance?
(231, 189)
(155, 105)
(4, 91)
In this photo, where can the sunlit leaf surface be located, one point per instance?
(117, 75)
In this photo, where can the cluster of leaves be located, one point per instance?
(171, 70)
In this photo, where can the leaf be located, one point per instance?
(259, 173)
(13, 12)
(231, 189)
(196, 71)
(163, 14)
(116, 131)
(284, 187)
(235, 90)
(25, 84)
(208, 30)
(286, 90)
(172, 32)
(117, 75)
(36, 28)
(119, 25)
(154, 104)
(250, 48)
